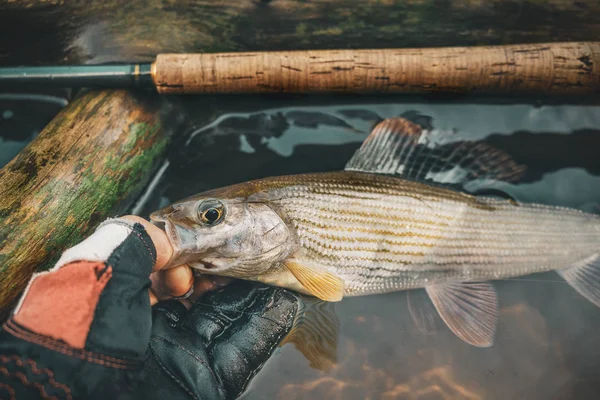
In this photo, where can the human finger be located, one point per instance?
(164, 250)
(204, 283)
(173, 282)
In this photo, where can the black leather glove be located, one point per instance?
(214, 349)
(85, 329)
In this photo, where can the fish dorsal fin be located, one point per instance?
(317, 280)
(315, 333)
(399, 147)
(470, 309)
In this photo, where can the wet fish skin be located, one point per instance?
(376, 227)
(382, 234)
(252, 237)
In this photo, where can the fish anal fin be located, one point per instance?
(584, 277)
(315, 333)
(318, 281)
(422, 312)
(399, 147)
(469, 309)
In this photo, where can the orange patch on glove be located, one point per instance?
(61, 304)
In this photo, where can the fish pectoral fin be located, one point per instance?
(317, 280)
(315, 333)
(397, 146)
(470, 309)
(584, 277)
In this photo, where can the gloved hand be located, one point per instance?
(86, 329)
(212, 351)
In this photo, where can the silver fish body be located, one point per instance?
(383, 234)
(377, 227)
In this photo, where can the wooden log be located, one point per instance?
(42, 32)
(546, 68)
(90, 162)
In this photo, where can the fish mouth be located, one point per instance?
(161, 221)
(161, 215)
(179, 255)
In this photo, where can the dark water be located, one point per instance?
(22, 117)
(548, 340)
(547, 344)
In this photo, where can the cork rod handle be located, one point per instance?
(548, 68)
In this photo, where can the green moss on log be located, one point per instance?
(90, 162)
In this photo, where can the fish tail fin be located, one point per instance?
(584, 276)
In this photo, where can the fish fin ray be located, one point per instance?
(422, 312)
(400, 147)
(317, 280)
(315, 333)
(470, 309)
(584, 277)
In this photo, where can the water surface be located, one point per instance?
(547, 344)
(22, 117)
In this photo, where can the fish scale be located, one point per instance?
(456, 237)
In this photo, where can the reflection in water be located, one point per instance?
(546, 346)
(382, 355)
(547, 152)
(372, 382)
(22, 117)
(315, 333)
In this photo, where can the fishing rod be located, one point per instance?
(570, 68)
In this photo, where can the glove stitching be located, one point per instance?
(200, 360)
(33, 368)
(54, 345)
(139, 235)
(117, 221)
(223, 322)
(166, 370)
(21, 333)
(135, 228)
(10, 390)
(26, 382)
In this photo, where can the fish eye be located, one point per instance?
(211, 212)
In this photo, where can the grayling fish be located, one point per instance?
(372, 229)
